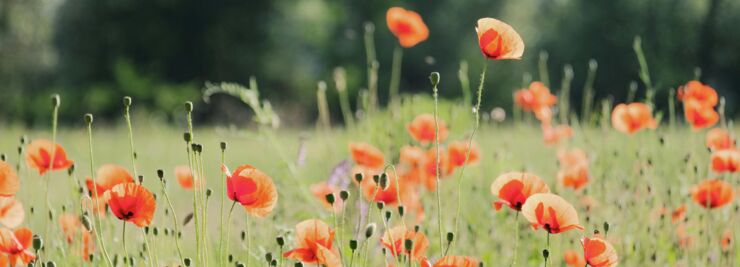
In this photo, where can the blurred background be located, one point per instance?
(161, 52)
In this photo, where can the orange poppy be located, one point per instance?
(599, 252)
(430, 167)
(108, 176)
(252, 188)
(678, 214)
(534, 97)
(574, 171)
(320, 190)
(38, 156)
(315, 244)
(71, 226)
(95, 205)
(367, 155)
(573, 258)
(407, 26)
(544, 115)
(712, 193)
(132, 203)
(696, 91)
(9, 183)
(422, 129)
(685, 240)
(630, 118)
(514, 189)
(452, 261)
(458, 153)
(727, 160)
(553, 135)
(16, 244)
(184, 177)
(395, 241)
(551, 212)
(395, 188)
(726, 241)
(719, 139)
(498, 40)
(698, 115)
(11, 212)
(410, 164)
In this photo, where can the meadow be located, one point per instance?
(421, 182)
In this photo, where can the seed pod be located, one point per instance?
(223, 146)
(352, 244)
(344, 195)
(369, 230)
(330, 198)
(450, 237)
(187, 261)
(55, 100)
(88, 118)
(38, 243)
(160, 174)
(280, 241)
(408, 244)
(358, 177)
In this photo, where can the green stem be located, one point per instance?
(126, 257)
(94, 203)
(395, 76)
(127, 116)
(175, 222)
(437, 173)
(221, 209)
(228, 229)
(516, 242)
(249, 241)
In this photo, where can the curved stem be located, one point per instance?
(174, 222)
(95, 202)
(228, 229)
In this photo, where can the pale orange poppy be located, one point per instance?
(430, 167)
(407, 26)
(696, 91)
(726, 160)
(70, 225)
(574, 171)
(678, 214)
(535, 97)
(726, 241)
(252, 188)
(719, 139)
(184, 177)
(394, 240)
(9, 183)
(38, 156)
(630, 118)
(11, 212)
(410, 164)
(73, 229)
(553, 135)
(698, 115)
(573, 258)
(320, 190)
(598, 252)
(16, 244)
(315, 244)
(395, 188)
(458, 153)
(498, 40)
(452, 261)
(132, 203)
(108, 176)
(513, 189)
(422, 129)
(367, 155)
(713, 193)
(551, 213)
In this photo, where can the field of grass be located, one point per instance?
(632, 179)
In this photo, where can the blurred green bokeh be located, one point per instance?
(161, 52)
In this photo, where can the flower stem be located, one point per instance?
(437, 172)
(395, 77)
(174, 222)
(94, 202)
(126, 257)
(516, 241)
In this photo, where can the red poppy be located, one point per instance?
(630, 118)
(184, 177)
(411, 163)
(712, 193)
(535, 97)
(38, 156)
(498, 40)
(573, 258)
(452, 261)
(423, 129)
(252, 188)
(315, 244)
(367, 155)
(599, 252)
(108, 176)
(132, 203)
(514, 188)
(11, 212)
(395, 238)
(696, 91)
(16, 245)
(719, 139)
(407, 25)
(9, 183)
(430, 167)
(551, 212)
(727, 160)
(458, 153)
(698, 115)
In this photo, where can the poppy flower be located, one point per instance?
(727, 160)
(719, 139)
(38, 156)
(514, 188)
(11, 212)
(17, 244)
(395, 240)
(685, 240)
(108, 176)
(423, 131)
(9, 183)
(712, 193)
(132, 203)
(498, 40)
(599, 252)
(573, 258)
(320, 190)
(395, 188)
(70, 224)
(551, 212)
(678, 214)
(698, 115)
(410, 164)
(458, 153)
(184, 177)
(430, 167)
(452, 261)
(553, 135)
(726, 241)
(73, 229)
(534, 97)
(574, 171)
(252, 188)
(367, 155)
(315, 244)
(696, 91)
(631, 118)
(407, 26)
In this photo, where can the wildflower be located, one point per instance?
(315, 244)
(719, 139)
(573, 258)
(423, 129)
(430, 167)
(184, 177)
(9, 183)
(320, 190)
(535, 97)
(16, 245)
(726, 241)
(452, 261)
(367, 155)
(599, 252)
(407, 26)
(11, 212)
(498, 40)
(574, 171)
(395, 241)
(551, 212)
(553, 135)
(712, 193)
(727, 160)
(252, 188)
(514, 189)
(72, 228)
(701, 93)
(698, 115)
(631, 118)
(132, 203)
(108, 176)
(678, 214)
(458, 153)
(38, 156)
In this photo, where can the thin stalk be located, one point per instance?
(127, 117)
(644, 71)
(204, 208)
(96, 218)
(56, 102)
(395, 76)
(126, 257)
(372, 67)
(565, 94)
(175, 222)
(516, 241)
(437, 160)
(462, 75)
(249, 241)
(340, 81)
(148, 249)
(221, 209)
(588, 91)
(228, 229)
(542, 64)
(336, 226)
(196, 180)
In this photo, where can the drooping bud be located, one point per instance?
(369, 230)
(434, 78)
(160, 174)
(188, 106)
(344, 195)
(358, 177)
(88, 118)
(280, 241)
(55, 100)
(126, 101)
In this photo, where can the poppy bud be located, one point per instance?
(273, 262)
(244, 235)
(369, 230)
(23, 139)
(166, 231)
(380, 205)
(188, 106)
(141, 179)
(450, 237)
(38, 242)
(384, 181)
(408, 244)
(268, 257)
(88, 118)
(188, 137)
(160, 174)
(155, 231)
(434, 78)
(86, 222)
(209, 192)
(352, 244)
(280, 241)
(344, 195)
(194, 147)
(330, 198)
(384, 251)
(231, 258)
(223, 146)
(358, 177)
(55, 100)
(51, 264)
(376, 179)
(400, 210)
(146, 230)
(71, 170)
(606, 228)
(545, 253)
(187, 219)
(387, 215)
(298, 264)
(239, 264)
(2, 157)
(369, 27)
(187, 261)
(126, 101)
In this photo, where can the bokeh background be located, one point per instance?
(161, 52)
